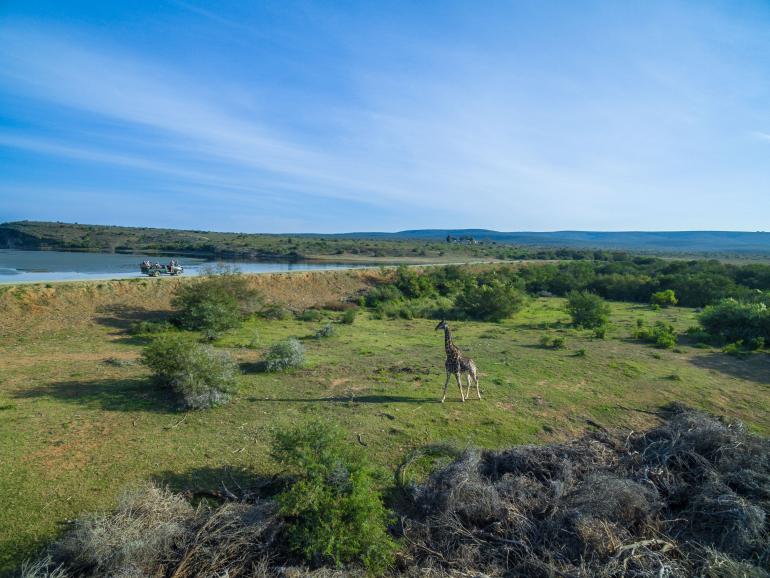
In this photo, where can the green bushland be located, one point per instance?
(287, 354)
(218, 302)
(334, 510)
(200, 376)
(587, 310)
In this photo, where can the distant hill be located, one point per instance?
(677, 241)
(70, 236)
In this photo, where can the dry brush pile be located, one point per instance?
(690, 497)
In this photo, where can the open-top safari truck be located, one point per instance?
(156, 269)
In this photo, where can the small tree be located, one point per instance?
(490, 302)
(665, 298)
(334, 510)
(198, 374)
(587, 310)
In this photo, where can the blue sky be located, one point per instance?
(347, 116)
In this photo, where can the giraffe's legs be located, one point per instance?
(446, 384)
(468, 393)
(476, 379)
(460, 385)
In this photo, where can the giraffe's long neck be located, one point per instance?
(451, 350)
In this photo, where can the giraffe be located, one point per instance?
(456, 364)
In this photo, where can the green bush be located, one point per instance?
(285, 355)
(349, 317)
(665, 298)
(148, 327)
(200, 376)
(334, 511)
(490, 302)
(661, 334)
(600, 332)
(553, 341)
(587, 310)
(383, 294)
(219, 301)
(731, 320)
(276, 312)
(310, 315)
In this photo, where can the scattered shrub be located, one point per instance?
(580, 353)
(149, 327)
(553, 341)
(489, 302)
(334, 511)
(661, 334)
(587, 310)
(276, 312)
(218, 302)
(600, 332)
(325, 331)
(310, 315)
(285, 355)
(665, 298)
(349, 317)
(199, 375)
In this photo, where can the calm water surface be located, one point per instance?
(43, 266)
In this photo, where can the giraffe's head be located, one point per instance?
(442, 325)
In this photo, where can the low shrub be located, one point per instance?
(285, 355)
(149, 327)
(661, 334)
(200, 376)
(349, 317)
(310, 315)
(587, 310)
(553, 341)
(382, 294)
(600, 332)
(276, 312)
(325, 331)
(334, 512)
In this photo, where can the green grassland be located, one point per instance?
(80, 419)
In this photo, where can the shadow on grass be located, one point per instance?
(253, 367)
(351, 399)
(121, 318)
(755, 367)
(219, 482)
(108, 394)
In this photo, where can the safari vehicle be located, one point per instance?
(156, 269)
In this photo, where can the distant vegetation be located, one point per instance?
(418, 245)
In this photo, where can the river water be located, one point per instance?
(44, 266)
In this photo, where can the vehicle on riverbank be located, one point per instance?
(156, 269)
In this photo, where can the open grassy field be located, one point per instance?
(80, 419)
